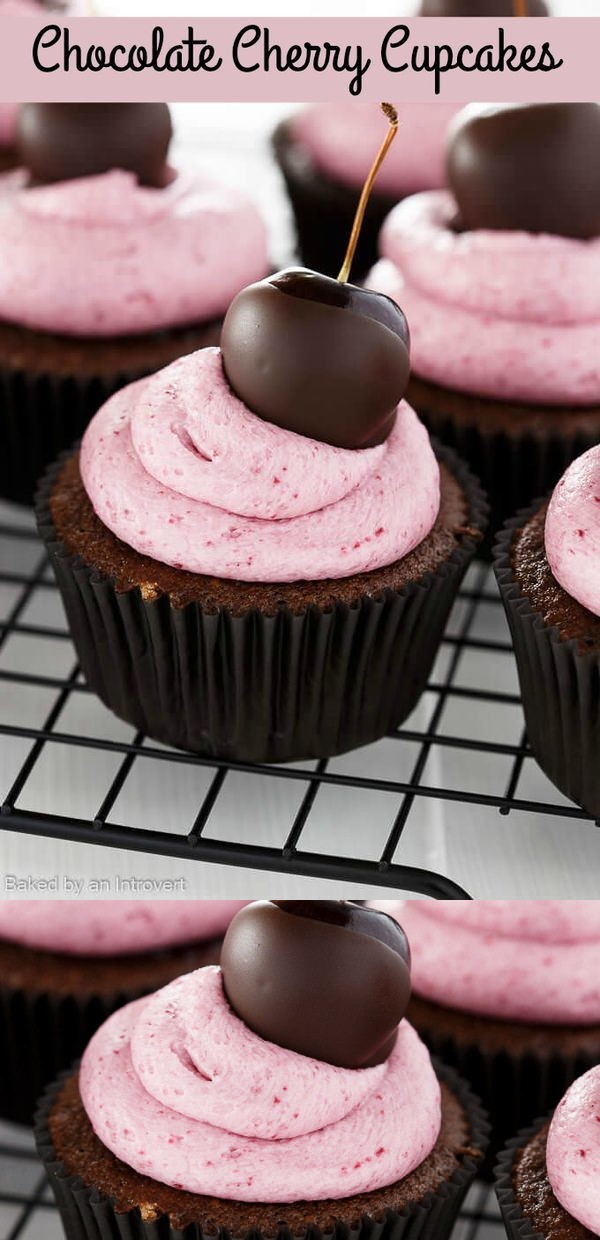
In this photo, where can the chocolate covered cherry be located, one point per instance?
(480, 8)
(529, 167)
(61, 141)
(324, 978)
(317, 356)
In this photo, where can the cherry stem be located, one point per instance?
(520, 8)
(392, 116)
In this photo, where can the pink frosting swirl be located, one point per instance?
(105, 256)
(508, 315)
(523, 960)
(178, 468)
(164, 1075)
(572, 531)
(113, 927)
(342, 139)
(573, 1151)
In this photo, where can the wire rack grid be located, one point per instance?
(28, 1211)
(69, 769)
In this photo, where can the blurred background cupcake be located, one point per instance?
(502, 991)
(547, 562)
(548, 1177)
(325, 151)
(500, 279)
(66, 965)
(112, 263)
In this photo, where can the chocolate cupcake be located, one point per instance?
(257, 548)
(547, 566)
(547, 1178)
(311, 1109)
(112, 264)
(66, 965)
(501, 992)
(500, 278)
(324, 154)
(292, 608)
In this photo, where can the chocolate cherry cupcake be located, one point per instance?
(547, 562)
(501, 991)
(324, 154)
(547, 1178)
(112, 264)
(500, 279)
(258, 548)
(66, 965)
(284, 1096)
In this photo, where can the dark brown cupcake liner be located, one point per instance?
(324, 210)
(43, 413)
(87, 1214)
(514, 1085)
(42, 1031)
(560, 686)
(258, 687)
(518, 1226)
(513, 466)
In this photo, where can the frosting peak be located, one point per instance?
(523, 960)
(572, 531)
(179, 469)
(573, 1151)
(181, 1090)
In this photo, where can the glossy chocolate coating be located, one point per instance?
(324, 978)
(61, 141)
(529, 167)
(479, 8)
(325, 359)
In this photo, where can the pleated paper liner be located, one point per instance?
(89, 1214)
(324, 210)
(518, 1226)
(43, 1029)
(50, 387)
(514, 462)
(560, 686)
(260, 687)
(517, 1077)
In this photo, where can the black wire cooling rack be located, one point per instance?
(28, 1212)
(464, 746)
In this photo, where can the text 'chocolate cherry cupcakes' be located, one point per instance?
(500, 280)
(65, 965)
(506, 992)
(324, 153)
(283, 1096)
(547, 562)
(548, 1177)
(258, 548)
(112, 264)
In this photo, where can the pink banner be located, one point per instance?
(298, 59)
